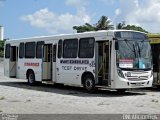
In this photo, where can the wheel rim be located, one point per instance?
(31, 78)
(89, 83)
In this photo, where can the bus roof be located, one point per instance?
(84, 34)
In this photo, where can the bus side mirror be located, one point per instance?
(116, 45)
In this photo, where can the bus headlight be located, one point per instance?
(120, 73)
(128, 74)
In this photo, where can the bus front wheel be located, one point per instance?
(31, 78)
(89, 83)
(121, 90)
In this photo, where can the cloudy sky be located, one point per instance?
(27, 18)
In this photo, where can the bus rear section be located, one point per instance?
(30, 59)
(155, 45)
(10, 61)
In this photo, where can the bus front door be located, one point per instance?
(103, 69)
(47, 63)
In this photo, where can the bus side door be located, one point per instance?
(54, 63)
(7, 60)
(47, 62)
(10, 63)
(13, 61)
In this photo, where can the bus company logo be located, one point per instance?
(31, 64)
(84, 62)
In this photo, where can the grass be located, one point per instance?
(1, 53)
(2, 98)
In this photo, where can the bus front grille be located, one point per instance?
(137, 78)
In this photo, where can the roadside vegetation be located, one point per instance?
(1, 48)
(2, 98)
(105, 24)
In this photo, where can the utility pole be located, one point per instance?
(1, 33)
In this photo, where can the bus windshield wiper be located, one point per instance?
(134, 50)
(139, 50)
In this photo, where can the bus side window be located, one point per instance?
(39, 49)
(7, 51)
(70, 48)
(13, 53)
(86, 48)
(59, 48)
(21, 50)
(30, 50)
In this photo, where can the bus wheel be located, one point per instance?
(158, 86)
(89, 83)
(121, 90)
(31, 78)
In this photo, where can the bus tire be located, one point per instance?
(121, 90)
(31, 78)
(158, 87)
(89, 83)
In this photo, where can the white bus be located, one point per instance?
(116, 59)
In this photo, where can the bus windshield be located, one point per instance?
(134, 54)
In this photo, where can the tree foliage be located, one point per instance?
(134, 27)
(1, 48)
(130, 27)
(103, 24)
(84, 28)
(120, 25)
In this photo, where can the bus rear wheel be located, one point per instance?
(89, 83)
(31, 78)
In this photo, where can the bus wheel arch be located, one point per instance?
(88, 82)
(30, 75)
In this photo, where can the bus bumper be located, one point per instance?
(125, 84)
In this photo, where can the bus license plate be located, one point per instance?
(139, 84)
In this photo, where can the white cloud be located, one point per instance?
(117, 12)
(54, 23)
(136, 2)
(59, 23)
(145, 13)
(147, 16)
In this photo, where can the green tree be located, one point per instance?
(134, 27)
(1, 48)
(84, 28)
(103, 24)
(130, 27)
(120, 25)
